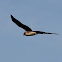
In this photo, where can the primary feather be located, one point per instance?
(20, 24)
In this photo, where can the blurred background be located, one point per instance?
(42, 15)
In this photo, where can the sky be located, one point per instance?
(42, 15)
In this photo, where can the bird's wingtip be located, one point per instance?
(56, 33)
(11, 16)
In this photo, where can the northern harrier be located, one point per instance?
(28, 31)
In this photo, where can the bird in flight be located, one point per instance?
(28, 31)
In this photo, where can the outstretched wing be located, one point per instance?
(20, 24)
(41, 32)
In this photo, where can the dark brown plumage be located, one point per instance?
(28, 30)
(20, 24)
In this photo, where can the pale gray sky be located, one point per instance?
(43, 15)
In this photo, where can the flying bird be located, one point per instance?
(28, 31)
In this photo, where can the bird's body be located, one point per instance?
(28, 31)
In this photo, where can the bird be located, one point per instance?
(28, 30)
